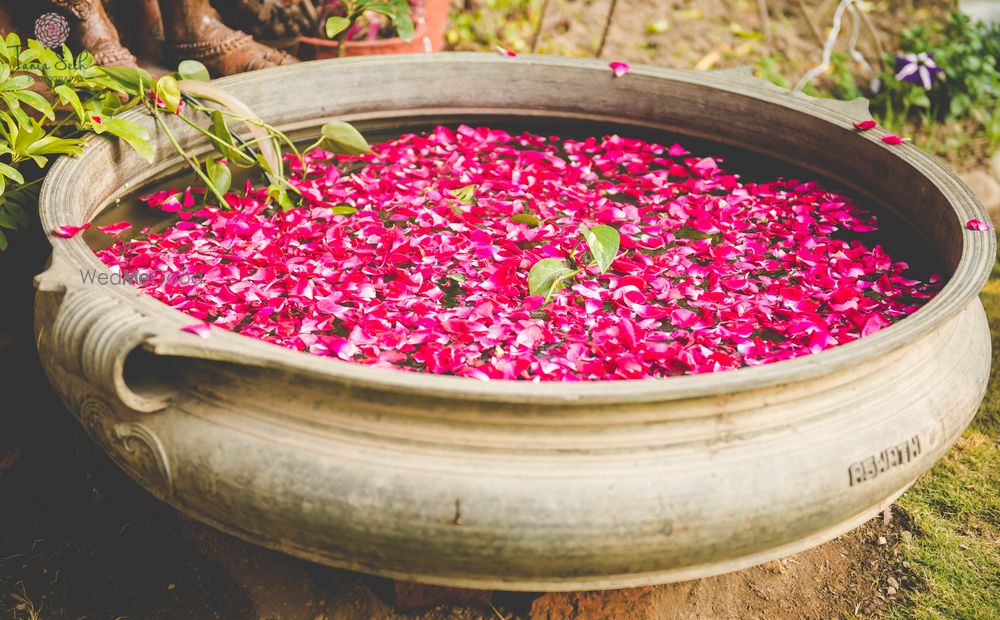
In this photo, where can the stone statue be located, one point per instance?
(173, 30)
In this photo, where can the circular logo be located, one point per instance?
(51, 29)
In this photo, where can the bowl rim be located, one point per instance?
(165, 338)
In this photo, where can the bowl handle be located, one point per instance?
(93, 334)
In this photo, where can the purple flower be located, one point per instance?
(917, 69)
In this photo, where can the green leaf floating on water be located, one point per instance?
(686, 232)
(465, 195)
(526, 218)
(343, 138)
(603, 242)
(547, 276)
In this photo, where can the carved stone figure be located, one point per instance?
(172, 30)
(194, 30)
(93, 30)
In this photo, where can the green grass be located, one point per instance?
(954, 556)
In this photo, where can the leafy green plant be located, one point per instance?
(968, 55)
(943, 81)
(398, 12)
(839, 81)
(491, 23)
(211, 115)
(549, 275)
(48, 101)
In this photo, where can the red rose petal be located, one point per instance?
(427, 268)
(619, 68)
(115, 229)
(67, 232)
(202, 330)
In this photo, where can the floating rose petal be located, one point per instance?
(67, 232)
(619, 68)
(977, 225)
(676, 150)
(874, 323)
(115, 229)
(417, 257)
(865, 125)
(202, 330)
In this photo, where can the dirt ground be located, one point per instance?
(79, 540)
(713, 34)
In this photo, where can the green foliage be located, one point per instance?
(193, 70)
(507, 23)
(465, 195)
(335, 136)
(603, 242)
(335, 25)
(40, 121)
(398, 12)
(219, 174)
(769, 68)
(341, 137)
(958, 112)
(840, 80)
(526, 218)
(49, 100)
(969, 54)
(549, 275)
(169, 92)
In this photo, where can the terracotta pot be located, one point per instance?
(428, 36)
(519, 485)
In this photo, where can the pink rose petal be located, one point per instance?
(67, 232)
(202, 330)
(506, 52)
(978, 225)
(619, 68)
(429, 270)
(891, 138)
(865, 125)
(115, 229)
